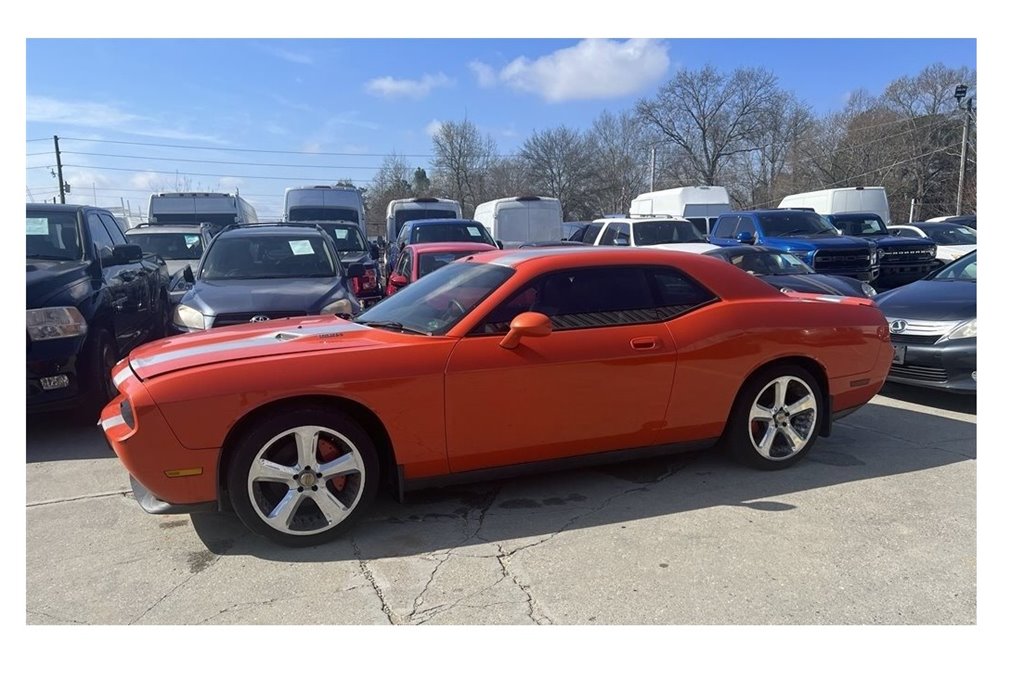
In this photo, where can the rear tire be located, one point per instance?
(302, 477)
(776, 418)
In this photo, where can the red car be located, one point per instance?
(419, 259)
(466, 374)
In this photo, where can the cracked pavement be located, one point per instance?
(876, 525)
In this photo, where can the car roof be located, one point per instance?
(643, 218)
(61, 207)
(723, 278)
(448, 246)
(271, 230)
(167, 229)
(439, 220)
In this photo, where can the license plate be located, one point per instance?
(899, 354)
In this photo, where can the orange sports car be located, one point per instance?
(467, 374)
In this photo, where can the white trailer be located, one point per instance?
(522, 219)
(402, 210)
(700, 205)
(848, 199)
(325, 204)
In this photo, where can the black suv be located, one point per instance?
(90, 299)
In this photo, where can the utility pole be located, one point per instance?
(911, 218)
(961, 92)
(654, 160)
(60, 168)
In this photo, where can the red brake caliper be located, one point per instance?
(328, 452)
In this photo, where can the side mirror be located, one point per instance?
(187, 275)
(501, 246)
(375, 251)
(526, 325)
(745, 237)
(355, 271)
(398, 281)
(124, 254)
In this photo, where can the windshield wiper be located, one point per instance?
(796, 231)
(391, 325)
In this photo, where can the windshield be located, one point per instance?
(52, 235)
(181, 246)
(431, 262)
(964, 269)
(324, 213)
(858, 225)
(442, 232)
(219, 219)
(669, 231)
(952, 235)
(268, 257)
(432, 305)
(402, 216)
(770, 264)
(347, 237)
(795, 222)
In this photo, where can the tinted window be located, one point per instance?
(590, 235)
(403, 216)
(794, 223)
(773, 264)
(745, 224)
(699, 222)
(404, 267)
(964, 269)
(578, 235)
(99, 235)
(674, 292)
(669, 231)
(442, 232)
(726, 227)
(430, 262)
(317, 213)
(952, 235)
(113, 230)
(347, 239)
(268, 257)
(615, 230)
(52, 235)
(183, 246)
(858, 225)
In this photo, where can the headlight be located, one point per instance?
(804, 255)
(968, 329)
(55, 322)
(189, 318)
(338, 307)
(868, 290)
(874, 257)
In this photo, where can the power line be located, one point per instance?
(197, 160)
(225, 148)
(41, 139)
(40, 167)
(205, 174)
(39, 153)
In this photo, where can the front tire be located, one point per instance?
(776, 418)
(97, 384)
(301, 478)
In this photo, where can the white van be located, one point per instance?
(699, 205)
(402, 210)
(523, 219)
(325, 203)
(194, 207)
(848, 199)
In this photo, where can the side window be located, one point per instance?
(676, 293)
(699, 222)
(101, 240)
(726, 227)
(614, 231)
(580, 298)
(577, 235)
(745, 224)
(113, 230)
(590, 235)
(404, 267)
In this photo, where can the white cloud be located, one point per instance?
(433, 127)
(288, 55)
(387, 86)
(485, 76)
(105, 117)
(595, 68)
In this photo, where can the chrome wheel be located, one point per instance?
(306, 480)
(782, 418)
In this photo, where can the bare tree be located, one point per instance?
(618, 145)
(462, 157)
(508, 177)
(558, 164)
(392, 181)
(709, 116)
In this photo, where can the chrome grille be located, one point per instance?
(833, 260)
(233, 318)
(926, 373)
(920, 326)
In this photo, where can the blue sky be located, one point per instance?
(372, 97)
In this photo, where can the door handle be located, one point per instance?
(644, 343)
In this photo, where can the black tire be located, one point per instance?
(269, 438)
(744, 426)
(96, 382)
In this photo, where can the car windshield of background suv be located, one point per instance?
(859, 226)
(953, 236)
(268, 257)
(796, 222)
(181, 246)
(771, 264)
(440, 233)
(669, 231)
(52, 236)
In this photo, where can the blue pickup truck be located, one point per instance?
(803, 233)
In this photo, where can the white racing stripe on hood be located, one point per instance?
(283, 335)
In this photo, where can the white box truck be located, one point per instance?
(848, 199)
(700, 205)
(196, 207)
(522, 219)
(325, 204)
(402, 210)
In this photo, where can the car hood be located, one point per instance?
(816, 283)
(248, 341)
(885, 241)
(685, 247)
(812, 241)
(263, 295)
(931, 301)
(45, 278)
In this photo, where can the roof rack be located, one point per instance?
(239, 225)
(633, 215)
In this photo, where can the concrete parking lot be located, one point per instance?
(877, 525)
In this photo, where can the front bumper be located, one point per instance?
(52, 358)
(951, 366)
(154, 506)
